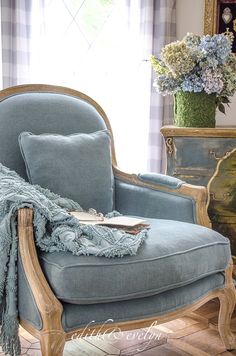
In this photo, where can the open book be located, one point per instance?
(129, 224)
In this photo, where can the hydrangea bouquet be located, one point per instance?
(198, 64)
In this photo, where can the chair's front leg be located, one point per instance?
(52, 335)
(227, 304)
(52, 343)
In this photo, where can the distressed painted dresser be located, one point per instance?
(205, 156)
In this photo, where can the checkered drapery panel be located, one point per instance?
(15, 41)
(161, 25)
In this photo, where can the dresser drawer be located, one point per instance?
(198, 152)
(196, 177)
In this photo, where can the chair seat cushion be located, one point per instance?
(79, 315)
(174, 254)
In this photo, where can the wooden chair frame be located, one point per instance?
(52, 336)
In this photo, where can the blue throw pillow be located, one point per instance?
(77, 166)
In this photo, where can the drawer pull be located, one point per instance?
(213, 153)
(221, 197)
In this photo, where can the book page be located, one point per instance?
(87, 218)
(122, 221)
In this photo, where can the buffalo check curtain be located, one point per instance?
(162, 30)
(15, 41)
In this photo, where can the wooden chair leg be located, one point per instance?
(227, 304)
(52, 343)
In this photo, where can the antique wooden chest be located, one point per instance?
(205, 156)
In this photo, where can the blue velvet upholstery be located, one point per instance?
(72, 166)
(39, 113)
(132, 199)
(175, 254)
(161, 179)
(26, 304)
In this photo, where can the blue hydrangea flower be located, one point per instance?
(166, 85)
(212, 81)
(212, 69)
(192, 40)
(192, 83)
(217, 47)
(209, 62)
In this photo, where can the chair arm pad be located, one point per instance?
(161, 179)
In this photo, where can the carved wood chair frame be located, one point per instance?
(52, 337)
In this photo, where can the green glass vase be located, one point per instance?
(194, 109)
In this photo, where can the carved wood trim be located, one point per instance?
(210, 14)
(227, 299)
(49, 307)
(197, 193)
(214, 175)
(170, 131)
(170, 147)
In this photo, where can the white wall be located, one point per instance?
(190, 18)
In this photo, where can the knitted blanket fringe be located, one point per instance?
(54, 230)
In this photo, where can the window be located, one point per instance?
(95, 47)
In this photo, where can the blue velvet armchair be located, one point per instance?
(181, 265)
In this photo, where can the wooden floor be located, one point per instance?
(193, 335)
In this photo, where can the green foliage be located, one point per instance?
(195, 109)
(220, 101)
(157, 66)
(221, 108)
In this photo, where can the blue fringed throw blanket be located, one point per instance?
(55, 230)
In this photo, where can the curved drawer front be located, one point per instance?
(192, 176)
(194, 158)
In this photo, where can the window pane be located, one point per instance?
(91, 46)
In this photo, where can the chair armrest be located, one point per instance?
(48, 305)
(161, 179)
(160, 196)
